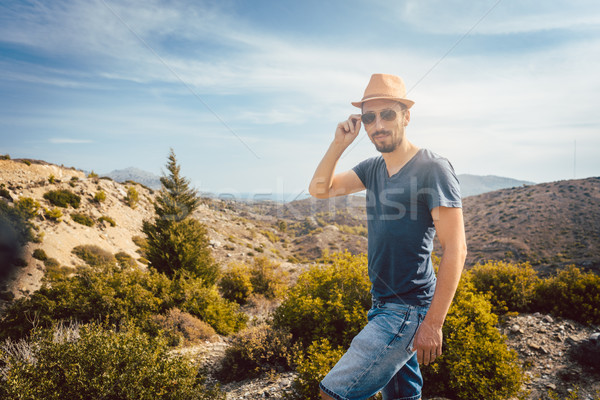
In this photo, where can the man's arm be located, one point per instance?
(450, 229)
(324, 183)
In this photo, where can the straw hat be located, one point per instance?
(384, 86)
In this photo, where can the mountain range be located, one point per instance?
(470, 184)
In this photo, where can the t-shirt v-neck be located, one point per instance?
(388, 176)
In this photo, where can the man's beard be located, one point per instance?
(386, 147)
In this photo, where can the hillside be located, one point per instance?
(548, 224)
(237, 231)
(554, 223)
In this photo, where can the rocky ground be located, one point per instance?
(544, 345)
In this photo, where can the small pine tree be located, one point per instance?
(176, 200)
(176, 243)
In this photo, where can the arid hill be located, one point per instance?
(549, 224)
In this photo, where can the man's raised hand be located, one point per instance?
(347, 130)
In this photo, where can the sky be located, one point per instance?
(248, 93)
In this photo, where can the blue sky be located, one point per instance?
(248, 93)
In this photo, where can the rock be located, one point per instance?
(572, 339)
(534, 346)
(548, 319)
(595, 336)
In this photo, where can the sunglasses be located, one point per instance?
(386, 115)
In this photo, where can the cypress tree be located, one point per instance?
(176, 243)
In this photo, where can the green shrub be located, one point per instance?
(254, 351)
(312, 367)
(100, 196)
(51, 179)
(181, 328)
(40, 254)
(93, 255)
(28, 207)
(235, 283)
(511, 287)
(267, 278)
(139, 241)
(91, 362)
(62, 198)
(329, 301)
(282, 225)
(132, 198)
(55, 271)
(107, 292)
(273, 238)
(125, 260)
(82, 219)
(205, 302)
(53, 215)
(5, 157)
(26, 162)
(109, 220)
(476, 363)
(574, 394)
(93, 294)
(570, 294)
(51, 262)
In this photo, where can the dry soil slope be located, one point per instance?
(548, 224)
(235, 233)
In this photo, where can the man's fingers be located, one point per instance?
(426, 357)
(354, 122)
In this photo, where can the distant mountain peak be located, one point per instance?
(137, 175)
(471, 185)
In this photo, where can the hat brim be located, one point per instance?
(406, 102)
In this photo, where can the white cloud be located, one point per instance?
(69, 141)
(501, 16)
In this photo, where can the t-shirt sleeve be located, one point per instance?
(362, 170)
(443, 188)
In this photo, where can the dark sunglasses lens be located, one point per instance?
(388, 115)
(368, 118)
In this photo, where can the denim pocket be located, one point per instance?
(420, 318)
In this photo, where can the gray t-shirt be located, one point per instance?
(401, 228)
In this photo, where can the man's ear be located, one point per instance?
(406, 117)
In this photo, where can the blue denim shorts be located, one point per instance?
(380, 357)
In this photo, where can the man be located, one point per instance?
(412, 194)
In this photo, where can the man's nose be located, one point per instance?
(378, 122)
